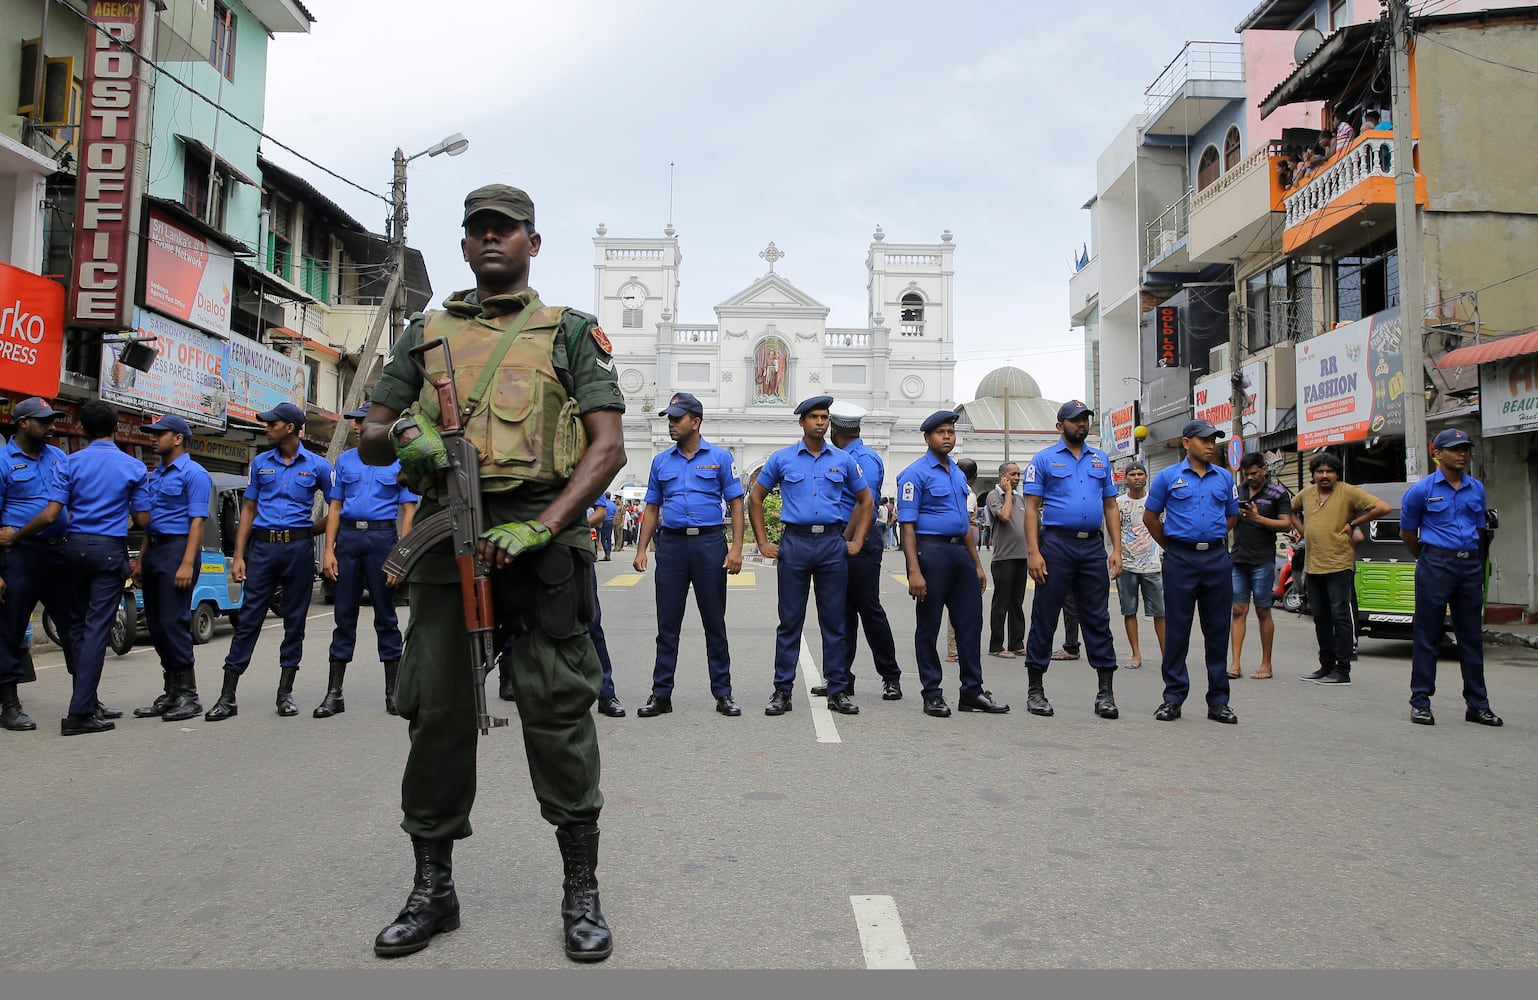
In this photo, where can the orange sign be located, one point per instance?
(31, 333)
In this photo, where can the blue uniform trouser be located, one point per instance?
(360, 557)
(97, 566)
(863, 604)
(606, 538)
(167, 610)
(950, 579)
(1196, 582)
(697, 561)
(1076, 567)
(1443, 583)
(270, 565)
(33, 571)
(600, 644)
(803, 559)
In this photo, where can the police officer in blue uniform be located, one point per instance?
(945, 573)
(32, 570)
(101, 487)
(1200, 504)
(606, 528)
(170, 561)
(360, 534)
(608, 699)
(689, 485)
(1440, 520)
(863, 602)
(825, 510)
(1070, 510)
(274, 548)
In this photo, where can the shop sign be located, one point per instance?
(1117, 435)
(261, 378)
(1214, 401)
(31, 333)
(187, 378)
(1351, 383)
(1508, 395)
(187, 277)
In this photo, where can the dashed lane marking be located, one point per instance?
(624, 580)
(881, 933)
(743, 579)
(822, 719)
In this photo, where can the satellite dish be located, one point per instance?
(1309, 40)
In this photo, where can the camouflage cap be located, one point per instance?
(503, 200)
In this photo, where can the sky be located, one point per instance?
(805, 123)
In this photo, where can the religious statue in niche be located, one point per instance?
(770, 359)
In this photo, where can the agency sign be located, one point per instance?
(1351, 383)
(1508, 395)
(187, 378)
(186, 277)
(103, 271)
(31, 333)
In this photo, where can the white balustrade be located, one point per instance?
(620, 253)
(847, 340)
(1372, 157)
(696, 335)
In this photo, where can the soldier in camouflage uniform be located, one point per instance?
(547, 423)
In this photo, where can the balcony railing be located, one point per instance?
(846, 340)
(1264, 158)
(1371, 156)
(615, 253)
(1172, 226)
(911, 329)
(696, 335)
(1196, 61)
(913, 259)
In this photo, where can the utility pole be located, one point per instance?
(1407, 225)
(1238, 318)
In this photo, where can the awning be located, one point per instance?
(1511, 346)
(1326, 74)
(201, 147)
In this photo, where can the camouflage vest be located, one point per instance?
(525, 426)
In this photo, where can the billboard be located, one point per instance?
(31, 333)
(186, 277)
(1116, 431)
(1214, 401)
(1351, 382)
(187, 378)
(260, 378)
(103, 267)
(1508, 396)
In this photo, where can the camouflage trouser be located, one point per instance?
(544, 599)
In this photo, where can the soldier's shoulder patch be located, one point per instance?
(602, 339)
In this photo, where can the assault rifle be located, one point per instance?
(462, 521)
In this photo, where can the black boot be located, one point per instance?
(285, 699)
(1105, 701)
(11, 715)
(432, 907)
(225, 707)
(332, 703)
(587, 933)
(185, 703)
(505, 689)
(1035, 693)
(161, 703)
(392, 668)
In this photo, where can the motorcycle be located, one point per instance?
(1289, 591)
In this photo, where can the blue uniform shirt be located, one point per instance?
(814, 489)
(24, 483)
(932, 496)
(1195, 508)
(99, 485)
(608, 508)
(284, 493)
(367, 492)
(692, 491)
(871, 467)
(179, 492)
(1445, 516)
(1073, 491)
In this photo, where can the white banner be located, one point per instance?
(1214, 402)
(1508, 395)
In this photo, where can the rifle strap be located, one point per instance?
(500, 351)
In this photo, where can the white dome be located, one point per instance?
(1019, 384)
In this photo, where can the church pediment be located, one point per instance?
(768, 294)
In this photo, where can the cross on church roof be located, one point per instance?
(772, 254)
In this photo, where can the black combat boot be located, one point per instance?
(225, 707)
(392, 669)
(161, 703)
(1105, 701)
(285, 699)
(587, 933)
(432, 907)
(505, 689)
(184, 703)
(332, 703)
(1035, 693)
(11, 715)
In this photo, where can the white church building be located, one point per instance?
(770, 346)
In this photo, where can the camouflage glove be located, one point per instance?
(515, 538)
(420, 449)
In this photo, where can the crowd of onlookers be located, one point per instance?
(1298, 164)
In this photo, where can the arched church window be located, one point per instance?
(771, 366)
(912, 315)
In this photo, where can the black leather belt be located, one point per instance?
(284, 534)
(58, 540)
(706, 530)
(815, 529)
(156, 536)
(1181, 543)
(86, 536)
(1454, 553)
(1071, 532)
(946, 539)
(368, 525)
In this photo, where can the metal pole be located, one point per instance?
(1412, 299)
(398, 211)
(1006, 411)
(1237, 318)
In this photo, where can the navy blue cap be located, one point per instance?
(1452, 438)
(815, 403)
(169, 422)
(360, 412)
(682, 403)
(1072, 410)
(286, 412)
(939, 419)
(1200, 429)
(34, 408)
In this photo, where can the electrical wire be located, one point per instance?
(1493, 62)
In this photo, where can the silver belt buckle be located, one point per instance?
(1203, 546)
(1081, 534)
(360, 525)
(1463, 555)
(818, 529)
(691, 531)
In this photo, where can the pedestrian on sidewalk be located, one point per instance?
(1141, 567)
(1265, 508)
(1006, 506)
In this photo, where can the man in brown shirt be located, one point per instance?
(1328, 513)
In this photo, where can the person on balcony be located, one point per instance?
(1373, 122)
(1345, 133)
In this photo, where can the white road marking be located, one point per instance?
(822, 719)
(881, 933)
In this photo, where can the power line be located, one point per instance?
(1493, 62)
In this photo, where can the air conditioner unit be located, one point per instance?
(1217, 359)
